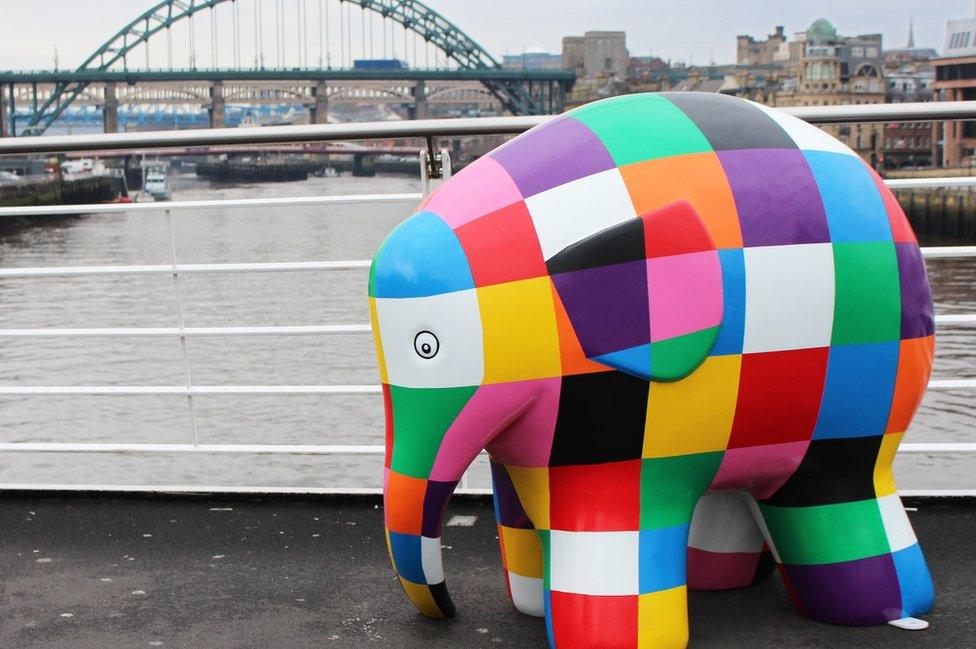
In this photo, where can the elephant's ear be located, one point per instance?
(644, 296)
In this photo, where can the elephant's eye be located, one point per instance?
(426, 345)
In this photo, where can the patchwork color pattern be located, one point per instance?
(646, 300)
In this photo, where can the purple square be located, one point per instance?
(607, 306)
(558, 152)
(855, 593)
(917, 318)
(776, 196)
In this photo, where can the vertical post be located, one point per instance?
(110, 111)
(3, 115)
(181, 324)
(216, 110)
(12, 108)
(320, 103)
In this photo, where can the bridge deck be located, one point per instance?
(215, 572)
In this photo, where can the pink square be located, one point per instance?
(480, 188)
(515, 419)
(760, 470)
(685, 293)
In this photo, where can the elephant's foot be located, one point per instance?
(852, 563)
(656, 620)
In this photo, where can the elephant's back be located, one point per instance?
(799, 218)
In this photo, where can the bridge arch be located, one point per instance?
(413, 15)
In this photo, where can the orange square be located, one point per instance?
(697, 178)
(914, 368)
(404, 503)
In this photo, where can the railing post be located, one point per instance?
(181, 325)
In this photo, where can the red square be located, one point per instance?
(586, 621)
(502, 246)
(901, 229)
(675, 229)
(779, 397)
(595, 497)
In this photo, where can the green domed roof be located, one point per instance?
(821, 31)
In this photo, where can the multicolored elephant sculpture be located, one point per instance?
(651, 302)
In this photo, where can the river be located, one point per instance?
(295, 298)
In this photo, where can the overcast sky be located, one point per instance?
(698, 30)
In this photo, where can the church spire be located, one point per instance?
(911, 32)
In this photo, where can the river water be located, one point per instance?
(296, 298)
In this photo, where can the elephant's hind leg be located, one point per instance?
(520, 545)
(847, 549)
(726, 547)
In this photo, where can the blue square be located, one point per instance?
(405, 549)
(729, 339)
(855, 211)
(662, 558)
(858, 390)
(914, 581)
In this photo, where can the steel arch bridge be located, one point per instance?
(413, 15)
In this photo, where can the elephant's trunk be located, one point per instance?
(432, 436)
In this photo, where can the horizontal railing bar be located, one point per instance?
(207, 390)
(322, 491)
(948, 319)
(183, 269)
(312, 449)
(923, 183)
(421, 128)
(948, 252)
(352, 199)
(934, 252)
(153, 332)
(253, 449)
(161, 206)
(183, 391)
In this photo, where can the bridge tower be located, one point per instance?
(419, 109)
(110, 108)
(319, 109)
(217, 104)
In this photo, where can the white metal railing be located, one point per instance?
(423, 128)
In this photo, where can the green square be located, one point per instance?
(867, 303)
(671, 487)
(675, 358)
(421, 417)
(827, 533)
(642, 127)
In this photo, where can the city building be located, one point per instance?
(896, 58)
(955, 80)
(750, 51)
(597, 54)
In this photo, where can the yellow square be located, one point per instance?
(884, 478)
(519, 327)
(662, 618)
(694, 414)
(422, 598)
(532, 487)
(523, 551)
(374, 319)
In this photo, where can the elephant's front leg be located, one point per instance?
(519, 542)
(616, 551)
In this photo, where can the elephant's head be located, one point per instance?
(475, 331)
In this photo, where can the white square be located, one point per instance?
(789, 297)
(455, 321)
(527, 594)
(806, 136)
(430, 560)
(594, 563)
(568, 213)
(897, 526)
